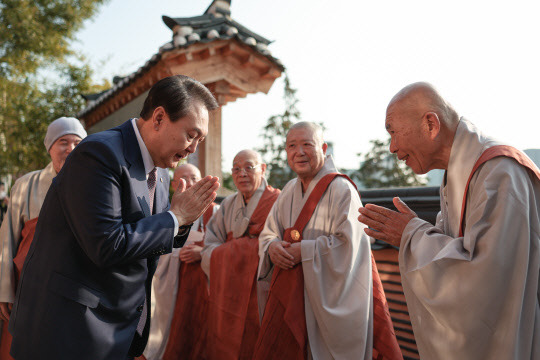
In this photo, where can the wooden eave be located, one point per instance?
(228, 67)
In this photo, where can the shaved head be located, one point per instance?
(418, 98)
(190, 173)
(248, 172)
(248, 154)
(316, 130)
(421, 125)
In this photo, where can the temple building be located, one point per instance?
(231, 60)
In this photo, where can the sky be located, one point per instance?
(347, 58)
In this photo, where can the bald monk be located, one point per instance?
(472, 280)
(316, 270)
(230, 259)
(172, 283)
(18, 227)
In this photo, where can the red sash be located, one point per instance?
(283, 331)
(488, 154)
(187, 338)
(233, 323)
(27, 235)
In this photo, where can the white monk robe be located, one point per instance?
(26, 199)
(336, 263)
(164, 292)
(476, 297)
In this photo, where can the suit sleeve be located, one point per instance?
(99, 209)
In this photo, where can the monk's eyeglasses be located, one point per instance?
(248, 169)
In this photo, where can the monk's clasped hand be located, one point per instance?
(279, 256)
(190, 253)
(384, 224)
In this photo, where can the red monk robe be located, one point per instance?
(233, 322)
(188, 334)
(283, 333)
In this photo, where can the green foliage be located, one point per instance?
(228, 182)
(274, 134)
(381, 169)
(41, 78)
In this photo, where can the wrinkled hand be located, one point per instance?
(190, 253)
(188, 205)
(296, 251)
(5, 310)
(279, 256)
(386, 225)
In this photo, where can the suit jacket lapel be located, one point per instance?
(162, 191)
(135, 165)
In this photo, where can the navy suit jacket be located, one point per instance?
(95, 250)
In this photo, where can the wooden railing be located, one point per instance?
(425, 202)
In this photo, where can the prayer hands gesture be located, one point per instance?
(190, 253)
(5, 311)
(386, 225)
(284, 255)
(188, 205)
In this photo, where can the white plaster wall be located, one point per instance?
(128, 111)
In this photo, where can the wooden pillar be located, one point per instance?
(209, 157)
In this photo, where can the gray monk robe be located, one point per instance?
(230, 259)
(336, 264)
(26, 199)
(16, 234)
(476, 296)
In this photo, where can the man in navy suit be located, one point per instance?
(85, 288)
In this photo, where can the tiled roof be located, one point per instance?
(215, 24)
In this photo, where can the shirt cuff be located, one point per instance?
(175, 223)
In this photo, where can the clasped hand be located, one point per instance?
(284, 254)
(386, 225)
(188, 205)
(190, 253)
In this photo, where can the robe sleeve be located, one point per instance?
(272, 231)
(10, 238)
(466, 284)
(215, 235)
(337, 276)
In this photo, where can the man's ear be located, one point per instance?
(158, 116)
(263, 168)
(433, 124)
(324, 148)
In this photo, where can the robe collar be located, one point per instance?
(242, 212)
(469, 143)
(46, 177)
(299, 197)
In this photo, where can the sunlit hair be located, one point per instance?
(176, 94)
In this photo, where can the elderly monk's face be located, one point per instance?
(189, 173)
(61, 148)
(409, 140)
(178, 139)
(247, 174)
(305, 152)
